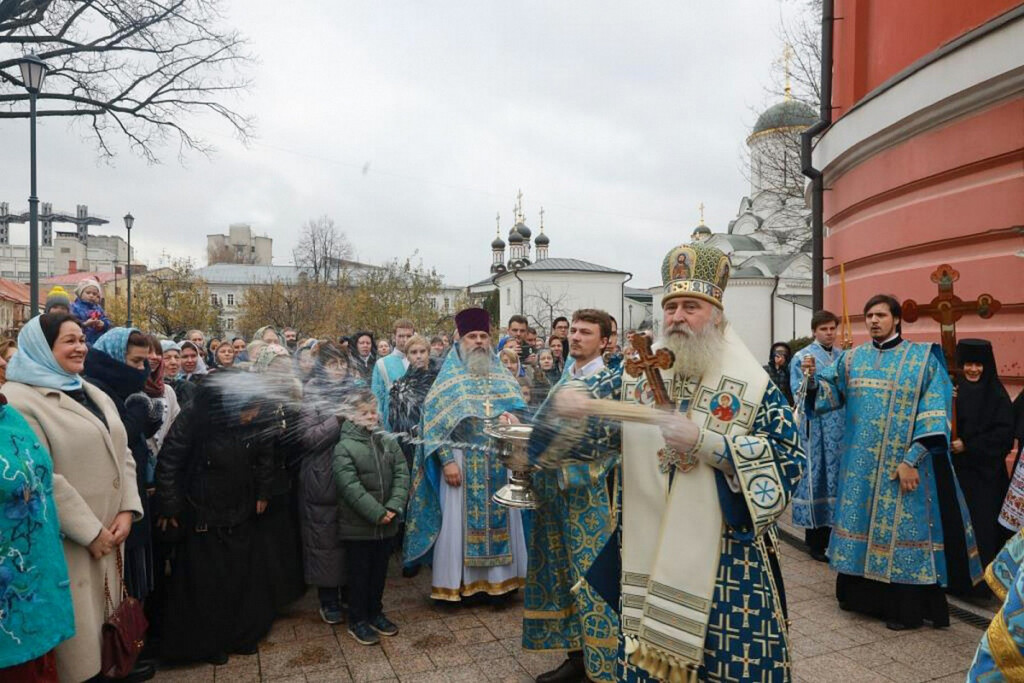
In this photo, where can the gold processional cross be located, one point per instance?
(946, 309)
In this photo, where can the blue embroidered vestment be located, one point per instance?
(895, 398)
(815, 496)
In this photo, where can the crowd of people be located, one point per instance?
(217, 481)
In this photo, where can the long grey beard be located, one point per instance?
(478, 361)
(695, 352)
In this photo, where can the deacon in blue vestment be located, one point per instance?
(1000, 655)
(391, 368)
(574, 523)
(815, 495)
(474, 544)
(703, 481)
(900, 532)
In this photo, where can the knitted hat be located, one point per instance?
(86, 284)
(695, 270)
(57, 297)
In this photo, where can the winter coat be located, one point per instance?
(123, 384)
(84, 311)
(93, 480)
(372, 478)
(35, 599)
(319, 430)
(212, 468)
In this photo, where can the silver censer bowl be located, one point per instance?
(510, 442)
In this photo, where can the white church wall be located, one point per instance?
(549, 294)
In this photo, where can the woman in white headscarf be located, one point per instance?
(94, 481)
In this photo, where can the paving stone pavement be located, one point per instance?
(481, 643)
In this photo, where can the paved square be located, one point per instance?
(481, 643)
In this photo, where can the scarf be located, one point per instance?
(266, 356)
(35, 365)
(115, 342)
(155, 382)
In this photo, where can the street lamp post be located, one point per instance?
(129, 221)
(33, 71)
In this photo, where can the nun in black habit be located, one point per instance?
(984, 421)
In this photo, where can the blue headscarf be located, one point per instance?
(35, 365)
(114, 342)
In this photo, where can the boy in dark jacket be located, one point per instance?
(373, 486)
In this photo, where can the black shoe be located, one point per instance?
(409, 572)
(363, 633)
(818, 555)
(384, 626)
(141, 672)
(572, 670)
(898, 626)
(217, 659)
(246, 650)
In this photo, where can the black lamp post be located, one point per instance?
(129, 221)
(33, 71)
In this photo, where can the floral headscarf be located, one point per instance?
(267, 355)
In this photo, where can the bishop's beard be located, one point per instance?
(477, 361)
(695, 350)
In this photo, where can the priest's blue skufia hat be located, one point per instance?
(695, 270)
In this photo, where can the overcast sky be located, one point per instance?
(412, 124)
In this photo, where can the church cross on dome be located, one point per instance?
(787, 54)
(497, 218)
(519, 206)
(542, 219)
(701, 207)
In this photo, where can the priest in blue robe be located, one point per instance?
(574, 522)
(815, 495)
(900, 532)
(703, 481)
(474, 544)
(1000, 655)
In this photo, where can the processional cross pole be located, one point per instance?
(946, 309)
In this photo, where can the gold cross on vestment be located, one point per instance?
(487, 408)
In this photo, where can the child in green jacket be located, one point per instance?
(373, 486)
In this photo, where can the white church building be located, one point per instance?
(529, 282)
(768, 298)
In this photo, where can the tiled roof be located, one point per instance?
(570, 264)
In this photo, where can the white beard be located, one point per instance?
(695, 352)
(477, 361)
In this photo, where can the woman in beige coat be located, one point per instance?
(93, 473)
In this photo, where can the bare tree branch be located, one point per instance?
(140, 70)
(322, 250)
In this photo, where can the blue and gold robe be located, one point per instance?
(573, 524)
(897, 401)
(1000, 655)
(815, 496)
(453, 417)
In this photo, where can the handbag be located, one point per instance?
(124, 629)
